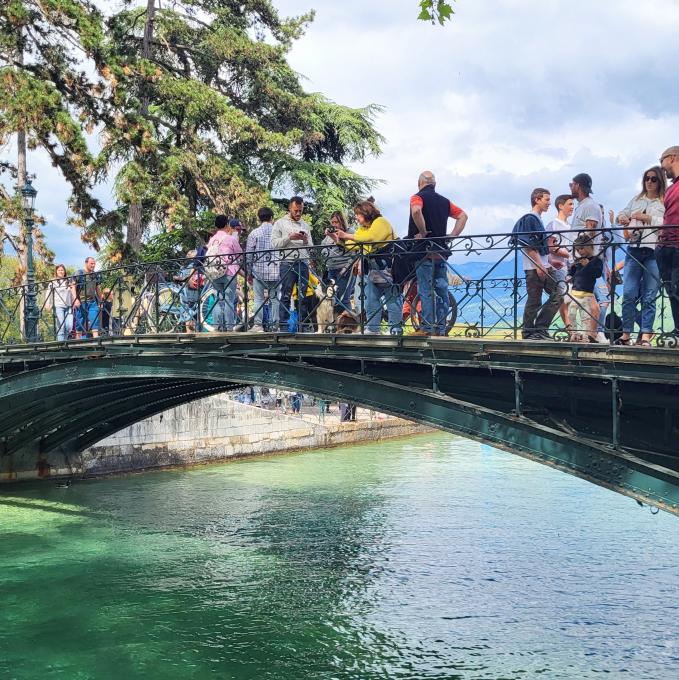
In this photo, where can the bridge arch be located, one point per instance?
(65, 407)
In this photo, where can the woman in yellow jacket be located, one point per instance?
(374, 229)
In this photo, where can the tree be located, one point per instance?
(435, 11)
(46, 99)
(210, 116)
(195, 106)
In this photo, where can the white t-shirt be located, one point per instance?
(564, 240)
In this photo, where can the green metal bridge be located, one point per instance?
(609, 415)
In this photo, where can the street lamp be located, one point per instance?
(31, 314)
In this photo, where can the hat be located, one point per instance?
(235, 224)
(584, 180)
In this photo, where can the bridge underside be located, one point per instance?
(609, 415)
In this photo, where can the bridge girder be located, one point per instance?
(411, 380)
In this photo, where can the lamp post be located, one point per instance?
(31, 314)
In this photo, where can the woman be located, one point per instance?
(60, 298)
(374, 229)
(642, 277)
(339, 264)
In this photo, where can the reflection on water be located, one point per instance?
(432, 557)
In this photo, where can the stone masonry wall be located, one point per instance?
(217, 428)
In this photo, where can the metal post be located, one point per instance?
(31, 313)
(518, 393)
(608, 330)
(516, 288)
(615, 408)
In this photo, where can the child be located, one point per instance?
(584, 272)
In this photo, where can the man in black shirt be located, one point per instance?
(429, 213)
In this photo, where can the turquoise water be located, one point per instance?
(431, 557)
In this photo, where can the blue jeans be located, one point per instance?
(344, 287)
(642, 281)
(88, 316)
(224, 310)
(295, 272)
(63, 317)
(432, 287)
(375, 297)
(271, 287)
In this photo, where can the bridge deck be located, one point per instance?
(608, 414)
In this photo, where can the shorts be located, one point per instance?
(87, 316)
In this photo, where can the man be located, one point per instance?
(292, 236)
(429, 213)
(87, 298)
(263, 270)
(667, 253)
(588, 215)
(222, 263)
(530, 235)
(560, 247)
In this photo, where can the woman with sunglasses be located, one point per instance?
(642, 277)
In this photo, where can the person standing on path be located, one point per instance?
(429, 213)
(667, 253)
(263, 270)
(560, 247)
(531, 237)
(588, 216)
(292, 232)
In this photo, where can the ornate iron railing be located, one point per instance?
(348, 289)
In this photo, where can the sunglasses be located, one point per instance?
(652, 180)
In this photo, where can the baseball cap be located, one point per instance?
(236, 224)
(584, 180)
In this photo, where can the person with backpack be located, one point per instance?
(192, 279)
(379, 287)
(429, 213)
(222, 263)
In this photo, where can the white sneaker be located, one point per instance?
(602, 339)
(257, 329)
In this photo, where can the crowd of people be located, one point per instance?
(367, 275)
(566, 259)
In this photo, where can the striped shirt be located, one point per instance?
(262, 265)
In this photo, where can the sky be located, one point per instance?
(508, 96)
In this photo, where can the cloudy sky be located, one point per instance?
(510, 95)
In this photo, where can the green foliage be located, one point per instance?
(207, 116)
(435, 11)
(167, 245)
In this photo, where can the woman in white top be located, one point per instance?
(642, 278)
(61, 300)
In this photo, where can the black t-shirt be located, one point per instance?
(585, 275)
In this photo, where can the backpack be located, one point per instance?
(401, 256)
(217, 262)
(196, 280)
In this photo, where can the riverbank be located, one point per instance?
(214, 430)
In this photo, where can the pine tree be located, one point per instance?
(212, 117)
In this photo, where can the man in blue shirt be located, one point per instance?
(531, 237)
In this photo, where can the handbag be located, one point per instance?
(382, 278)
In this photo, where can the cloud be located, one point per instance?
(510, 95)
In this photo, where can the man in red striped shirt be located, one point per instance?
(667, 253)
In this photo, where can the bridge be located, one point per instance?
(609, 415)
(605, 413)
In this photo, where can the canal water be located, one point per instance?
(430, 557)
